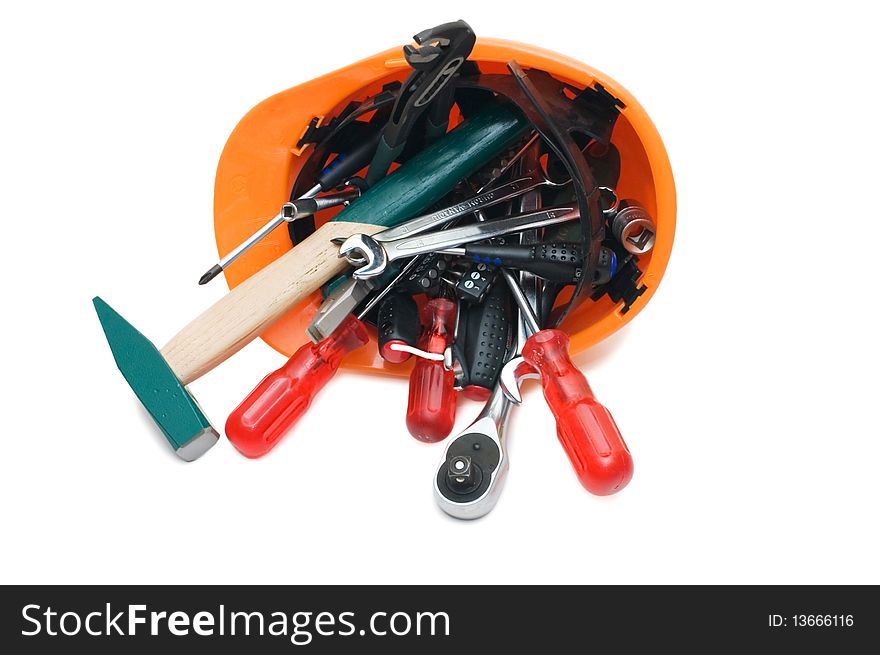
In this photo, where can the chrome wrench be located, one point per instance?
(479, 202)
(344, 301)
(476, 204)
(378, 254)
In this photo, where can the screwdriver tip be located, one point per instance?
(211, 274)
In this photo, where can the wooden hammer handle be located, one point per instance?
(260, 300)
(251, 307)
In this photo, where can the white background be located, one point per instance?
(747, 389)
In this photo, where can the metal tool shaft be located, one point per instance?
(248, 243)
(458, 236)
(332, 311)
(490, 198)
(527, 314)
(376, 299)
(277, 220)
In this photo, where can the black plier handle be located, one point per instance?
(439, 53)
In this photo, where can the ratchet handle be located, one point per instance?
(585, 427)
(430, 412)
(281, 399)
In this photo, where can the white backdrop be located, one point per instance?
(746, 390)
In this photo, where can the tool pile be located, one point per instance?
(461, 249)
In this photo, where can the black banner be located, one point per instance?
(450, 619)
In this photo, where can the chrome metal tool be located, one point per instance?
(338, 305)
(305, 205)
(375, 255)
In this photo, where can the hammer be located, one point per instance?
(159, 377)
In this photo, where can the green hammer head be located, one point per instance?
(169, 403)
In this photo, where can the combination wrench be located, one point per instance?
(490, 198)
(485, 200)
(350, 294)
(376, 255)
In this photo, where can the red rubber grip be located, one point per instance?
(430, 412)
(280, 400)
(585, 427)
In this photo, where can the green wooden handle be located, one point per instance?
(434, 172)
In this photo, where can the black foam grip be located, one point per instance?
(557, 262)
(398, 320)
(487, 331)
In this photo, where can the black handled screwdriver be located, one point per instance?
(557, 262)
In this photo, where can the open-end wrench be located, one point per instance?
(481, 201)
(339, 304)
(377, 255)
(475, 204)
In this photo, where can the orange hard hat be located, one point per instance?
(261, 160)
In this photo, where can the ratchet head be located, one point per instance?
(474, 466)
(366, 253)
(512, 376)
(470, 477)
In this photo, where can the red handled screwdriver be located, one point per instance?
(280, 400)
(430, 413)
(584, 426)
